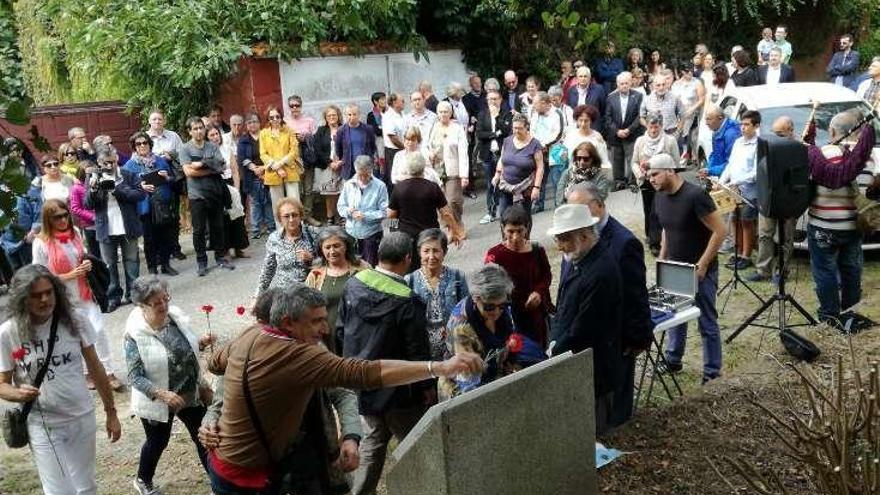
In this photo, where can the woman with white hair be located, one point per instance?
(364, 204)
(448, 154)
(454, 94)
(412, 143)
(415, 203)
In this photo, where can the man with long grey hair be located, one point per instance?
(61, 426)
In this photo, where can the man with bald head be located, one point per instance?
(725, 132)
(510, 99)
(629, 254)
(784, 128)
(624, 126)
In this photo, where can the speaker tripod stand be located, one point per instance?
(780, 297)
(736, 279)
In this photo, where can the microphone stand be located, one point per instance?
(736, 279)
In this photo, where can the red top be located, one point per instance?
(530, 272)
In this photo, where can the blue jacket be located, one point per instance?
(28, 216)
(345, 151)
(607, 70)
(846, 68)
(722, 145)
(372, 201)
(136, 167)
(128, 194)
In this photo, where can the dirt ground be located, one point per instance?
(669, 445)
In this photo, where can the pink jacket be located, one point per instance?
(83, 216)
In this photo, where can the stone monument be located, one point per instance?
(529, 433)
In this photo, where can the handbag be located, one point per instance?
(308, 153)
(797, 346)
(99, 282)
(161, 211)
(14, 423)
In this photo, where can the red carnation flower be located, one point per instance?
(207, 308)
(240, 310)
(18, 354)
(515, 343)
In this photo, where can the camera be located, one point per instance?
(104, 178)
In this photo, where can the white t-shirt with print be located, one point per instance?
(64, 395)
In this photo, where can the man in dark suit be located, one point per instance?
(623, 127)
(510, 99)
(629, 253)
(844, 65)
(492, 126)
(774, 71)
(586, 92)
(589, 305)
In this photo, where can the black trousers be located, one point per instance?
(158, 241)
(207, 214)
(158, 435)
(652, 223)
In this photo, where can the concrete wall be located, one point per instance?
(322, 81)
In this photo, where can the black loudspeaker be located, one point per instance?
(783, 177)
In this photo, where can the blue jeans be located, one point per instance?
(552, 182)
(491, 194)
(131, 263)
(708, 325)
(261, 208)
(836, 261)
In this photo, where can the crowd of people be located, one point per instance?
(355, 293)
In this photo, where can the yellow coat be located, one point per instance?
(277, 146)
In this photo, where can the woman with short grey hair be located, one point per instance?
(162, 354)
(415, 203)
(481, 323)
(364, 204)
(653, 142)
(448, 155)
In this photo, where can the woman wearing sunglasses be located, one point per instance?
(586, 166)
(60, 249)
(53, 184)
(279, 151)
(67, 157)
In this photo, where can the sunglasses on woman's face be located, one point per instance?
(141, 143)
(50, 165)
(61, 216)
(274, 117)
(70, 153)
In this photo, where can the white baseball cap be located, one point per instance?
(571, 217)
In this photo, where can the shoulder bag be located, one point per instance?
(14, 423)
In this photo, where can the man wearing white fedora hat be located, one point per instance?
(589, 304)
(692, 233)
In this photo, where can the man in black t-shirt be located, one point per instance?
(692, 233)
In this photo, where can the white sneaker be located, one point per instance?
(487, 218)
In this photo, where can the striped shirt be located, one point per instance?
(835, 209)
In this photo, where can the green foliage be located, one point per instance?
(175, 53)
(11, 82)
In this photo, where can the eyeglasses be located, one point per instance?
(70, 153)
(274, 117)
(61, 216)
(141, 143)
(290, 216)
(495, 306)
(164, 300)
(295, 105)
(563, 237)
(583, 159)
(109, 163)
(50, 165)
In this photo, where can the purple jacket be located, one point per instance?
(347, 152)
(83, 216)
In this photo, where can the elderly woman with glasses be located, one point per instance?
(279, 152)
(60, 249)
(481, 323)
(439, 286)
(162, 354)
(290, 250)
(586, 165)
(157, 215)
(68, 157)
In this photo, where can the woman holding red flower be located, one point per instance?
(482, 323)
